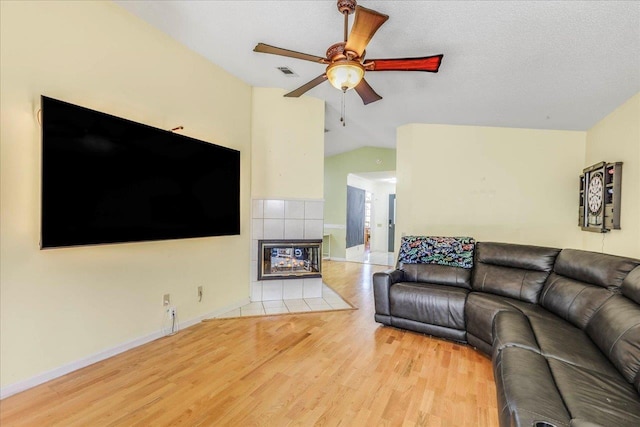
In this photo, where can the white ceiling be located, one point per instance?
(528, 64)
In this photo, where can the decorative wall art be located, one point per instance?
(599, 209)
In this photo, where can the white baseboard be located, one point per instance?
(214, 313)
(14, 388)
(336, 259)
(335, 226)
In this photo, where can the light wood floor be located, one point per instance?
(329, 369)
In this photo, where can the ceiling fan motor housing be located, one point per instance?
(346, 6)
(336, 52)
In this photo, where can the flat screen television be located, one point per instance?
(110, 180)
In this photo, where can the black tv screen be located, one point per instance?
(110, 180)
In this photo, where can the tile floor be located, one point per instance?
(330, 301)
(380, 258)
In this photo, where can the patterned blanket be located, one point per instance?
(451, 251)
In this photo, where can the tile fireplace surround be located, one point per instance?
(278, 219)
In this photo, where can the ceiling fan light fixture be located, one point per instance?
(345, 60)
(345, 74)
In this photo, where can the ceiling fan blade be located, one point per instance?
(365, 25)
(265, 48)
(427, 63)
(366, 92)
(308, 86)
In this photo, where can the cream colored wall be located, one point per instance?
(617, 138)
(62, 305)
(287, 146)
(494, 184)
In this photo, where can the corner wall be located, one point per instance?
(494, 184)
(287, 146)
(64, 305)
(287, 137)
(617, 138)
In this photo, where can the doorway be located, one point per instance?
(374, 189)
(367, 221)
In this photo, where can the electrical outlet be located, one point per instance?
(166, 299)
(200, 293)
(172, 312)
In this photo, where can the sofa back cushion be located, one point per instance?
(572, 300)
(615, 329)
(631, 285)
(581, 282)
(594, 268)
(437, 274)
(515, 271)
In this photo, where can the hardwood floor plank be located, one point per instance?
(327, 369)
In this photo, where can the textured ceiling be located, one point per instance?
(529, 64)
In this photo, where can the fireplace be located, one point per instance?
(289, 259)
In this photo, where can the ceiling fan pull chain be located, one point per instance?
(343, 109)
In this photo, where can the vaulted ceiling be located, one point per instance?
(529, 64)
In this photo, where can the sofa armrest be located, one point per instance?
(512, 329)
(382, 282)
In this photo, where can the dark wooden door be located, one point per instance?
(355, 216)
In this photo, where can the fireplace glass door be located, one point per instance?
(291, 259)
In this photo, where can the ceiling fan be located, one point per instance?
(346, 64)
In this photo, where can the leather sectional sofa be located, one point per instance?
(562, 327)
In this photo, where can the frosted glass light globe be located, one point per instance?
(345, 75)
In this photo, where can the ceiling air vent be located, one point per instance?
(287, 71)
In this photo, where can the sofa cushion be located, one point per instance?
(433, 304)
(382, 282)
(480, 310)
(631, 285)
(524, 257)
(437, 274)
(572, 300)
(581, 282)
(515, 271)
(561, 340)
(526, 389)
(594, 268)
(512, 329)
(535, 329)
(590, 395)
(615, 328)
